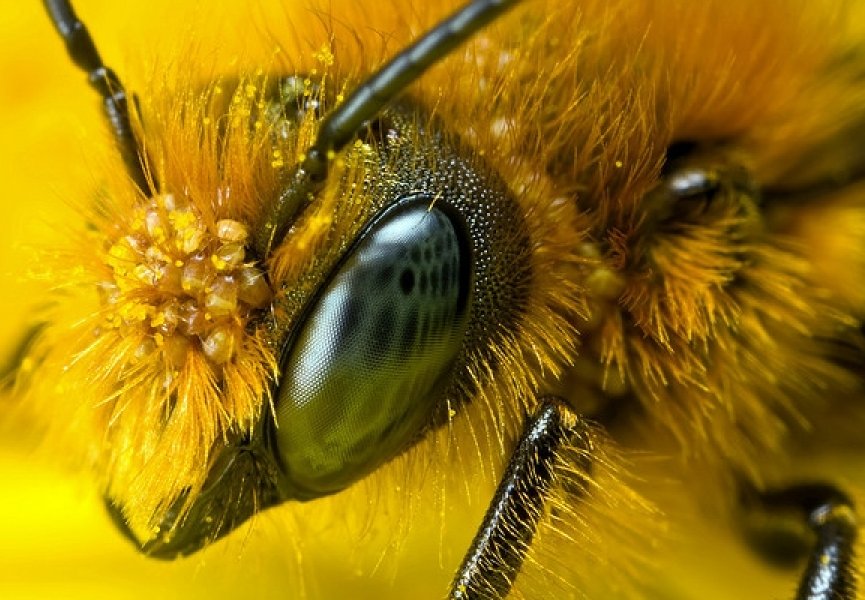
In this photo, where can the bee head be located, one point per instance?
(318, 331)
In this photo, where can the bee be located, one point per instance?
(595, 267)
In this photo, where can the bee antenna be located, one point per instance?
(369, 98)
(340, 126)
(83, 53)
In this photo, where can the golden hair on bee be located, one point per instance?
(639, 248)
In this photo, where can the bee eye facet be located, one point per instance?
(375, 351)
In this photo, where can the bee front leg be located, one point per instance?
(829, 514)
(493, 561)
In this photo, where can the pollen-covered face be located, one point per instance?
(653, 212)
(249, 348)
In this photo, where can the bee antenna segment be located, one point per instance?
(340, 126)
(104, 80)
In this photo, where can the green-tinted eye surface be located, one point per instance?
(375, 352)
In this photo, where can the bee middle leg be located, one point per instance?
(498, 550)
(829, 515)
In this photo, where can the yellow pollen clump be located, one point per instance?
(180, 287)
(324, 56)
(277, 159)
(228, 230)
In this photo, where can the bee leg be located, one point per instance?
(495, 556)
(829, 514)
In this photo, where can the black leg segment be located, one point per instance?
(83, 53)
(828, 513)
(499, 548)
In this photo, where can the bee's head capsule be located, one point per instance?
(368, 364)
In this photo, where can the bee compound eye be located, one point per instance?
(374, 353)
